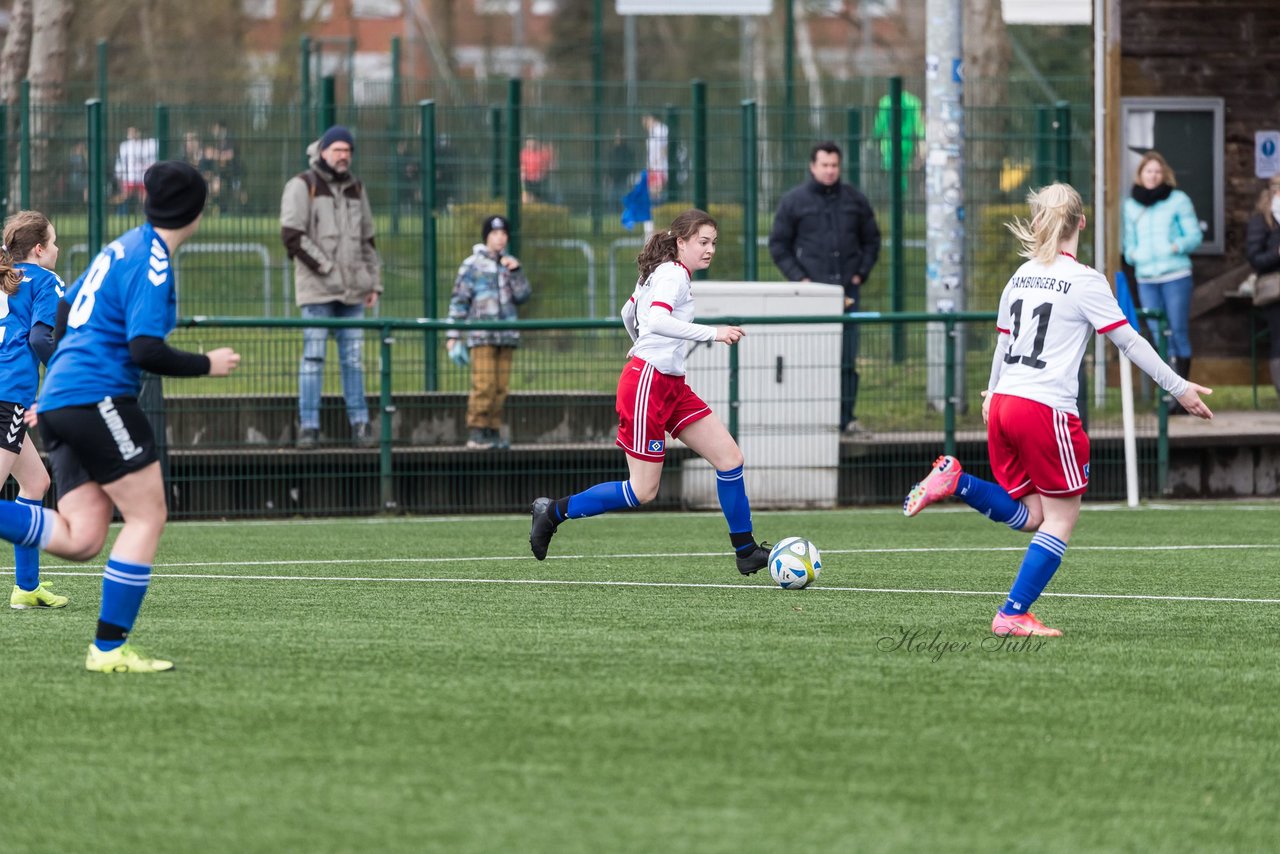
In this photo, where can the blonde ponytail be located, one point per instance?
(1056, 213)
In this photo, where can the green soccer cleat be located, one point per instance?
(41, 597)
(123, 659)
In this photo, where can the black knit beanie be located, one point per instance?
(494, 223)
(175, 193)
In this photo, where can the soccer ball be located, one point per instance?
(794, 562)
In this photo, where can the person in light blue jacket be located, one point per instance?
(1160, 232)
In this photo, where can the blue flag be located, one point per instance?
(635, 204)
(1126, 300)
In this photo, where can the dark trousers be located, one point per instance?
(849, 369)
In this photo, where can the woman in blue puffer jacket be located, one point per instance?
(1160, 231)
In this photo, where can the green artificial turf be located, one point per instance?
(682, 708)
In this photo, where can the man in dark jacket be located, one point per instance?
(825, 231)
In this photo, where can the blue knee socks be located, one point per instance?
(124, 585)
(991, 500)
(1042, 560)
(25, 524)
(731, 489)
(600, 498)
(26, 559)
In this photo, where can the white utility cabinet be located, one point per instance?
(788, 392)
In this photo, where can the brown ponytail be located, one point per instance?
(23, 232)
(661, 245)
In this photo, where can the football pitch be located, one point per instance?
(402, 684)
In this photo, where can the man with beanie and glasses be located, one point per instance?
(111, 327)
(327, 227)
(489, 286)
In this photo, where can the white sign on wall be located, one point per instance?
(1266, 153)
(695, 7)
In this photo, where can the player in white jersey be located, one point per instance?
(654, 400)
(1038, 448)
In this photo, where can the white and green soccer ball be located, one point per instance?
(794, 563)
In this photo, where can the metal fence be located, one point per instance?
(729, 149)
(229, 451)
(464, 149)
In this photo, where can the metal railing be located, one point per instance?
(230, 441)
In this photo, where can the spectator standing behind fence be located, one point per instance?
(1262, 249)
(133, 159)
(537, 159)
(825, 231)
(489, 286)
(29, 294)
(1160, 232)
(78, 174)
(226, 188)
(620, 167)
(656, 143)
(326, 223)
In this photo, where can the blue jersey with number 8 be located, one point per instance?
(127, 292)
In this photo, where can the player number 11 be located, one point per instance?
(1041, 313)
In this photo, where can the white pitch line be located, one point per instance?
(670, 555)
(674, 584)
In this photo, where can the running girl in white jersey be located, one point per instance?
(1038, 449)
(654, 400)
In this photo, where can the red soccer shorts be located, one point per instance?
(1035, 448)
(651, 405)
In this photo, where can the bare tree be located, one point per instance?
(47, 70)
(17, 47)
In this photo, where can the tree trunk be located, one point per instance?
(17, 47)
(51, 20)
(986, 54)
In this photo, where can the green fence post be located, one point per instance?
(673, 153)
(699, 144)
(597, 114)
(513, 164)
(386, 479)
(949, 387)
(734, 403)
(97, 180)
(427, 115)
(853, 146)
(393, 131)
(1063, 140)
(304, 68)
(162, 132)
(351, 73)
(102, 80)
(788, 83)
(750, 185)
(4, 161)
(328, 103)
(495, 155)
(24, 149)
(897, 248)
(1162, 410)
(1044, 129)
